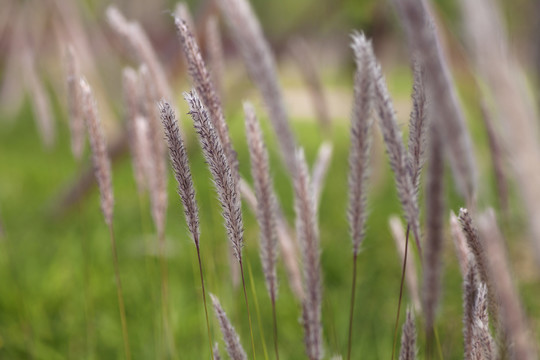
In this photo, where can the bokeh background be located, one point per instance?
(57, 292)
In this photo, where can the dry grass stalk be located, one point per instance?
(497, 158)
(308, 237)
(431, 286)
(230, 336)
(470, 292)
(511, 311)
(398, 233)
(40, 101)
(424, 43)
(214, 50)
(133, 37)
(483, 346)
(100, 157)
(289, 251)
(516, 114)
(130, 89)
(225, 183)
(76, 119)
(418, 125)
(408, 339)
(157, 178)
(303, 58)
(398, 157)
(206, 90)
(320, 169)
(266, 208)
(260, 63)
(460, 243)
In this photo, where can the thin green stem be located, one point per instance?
(259, 322)
(204, 301)
(401, 291)
(247, 307)
(165, 296)
(351, 312)
(276, 349)
(121, 306)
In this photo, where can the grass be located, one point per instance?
(51, 309)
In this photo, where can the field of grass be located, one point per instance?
(57, 293)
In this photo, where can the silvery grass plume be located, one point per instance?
(41, 106)
(418, 125)
(225, 183)
(460, 243)
(76, 118)
(483, 346)
(398, 157)
(308, 237)
(135, 40)
(181, 11)
(289, 251)
(424, 43)
(433, 245)
(157, 178)
(408, 339)
(361, 121)
(266, 203)
(143, 147)
(130, 89)
(511, 311)
(260, 63)
(230, 337)
(497, 158)
(100, 157)
(182, 172)
(320, 169)
(216, 352)
(206, 91)
(214, 50)
(398, 233)
(516, 114)
(303, 56)
(470, 292)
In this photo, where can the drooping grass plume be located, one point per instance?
(425, 45)
(135, 40)
(408, 339)
(361, 121)
(418, 125)
(260, 63)
(230, 337)
(224, 181)
(497, 158)
(214, 51)
(266, 207)
(470, 292)
(482, 344)
(411, 277)
(186, 190)
(433, 245)
(308, 237)
(289, 250)
(41, 105)
(100, 157)
(132, 98)
(320, 169)
(511, 311)
(398, 157)
(102, 171)
(460, 243)
(76, 119)
(303, 57)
